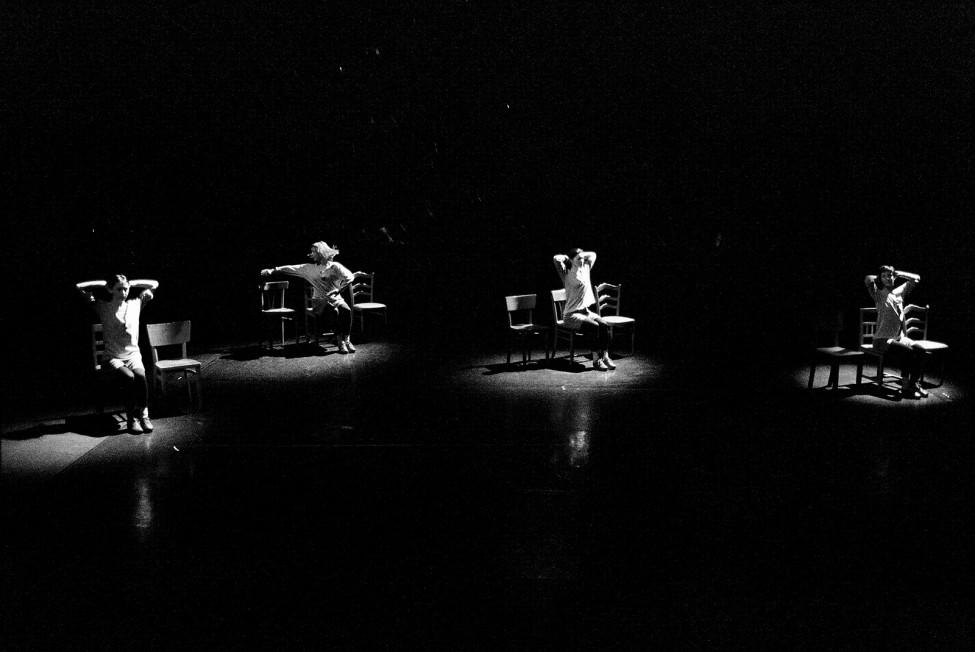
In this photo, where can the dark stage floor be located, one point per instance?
(409, 497)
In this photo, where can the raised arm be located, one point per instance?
(589, 257)
(87, 289)
(911, 282)
(561, 262)
(147, 286)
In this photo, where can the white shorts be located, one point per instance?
(576, 319)
(135, 364)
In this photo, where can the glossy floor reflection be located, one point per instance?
(399, 498)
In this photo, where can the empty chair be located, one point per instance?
(362, 299)
(608, 304)
(562, 332)
(835, 354)
(521, 324)
(174, 334)
(273, 309)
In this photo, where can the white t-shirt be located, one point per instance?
(324, 280)
(120, 326)
(578, 288)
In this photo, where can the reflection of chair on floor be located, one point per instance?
(834, 355)
(362, 301)
(273, 308)
(608, 298)
(563, 332)
(174, 334)
(521, 325)
(916, 325)
(313, 326)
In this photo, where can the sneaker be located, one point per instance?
(146, 424)
(910, 392)
(343, 347)
(599, 365)
(920, 390)
(609, 363)
(348, 345)
(134, 426)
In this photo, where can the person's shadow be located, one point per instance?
(103, 424)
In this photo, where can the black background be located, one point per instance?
(739, 169)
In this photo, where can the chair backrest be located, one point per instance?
(168, 334)
(868, 325)
(608, 299)
(520, 305)
(98, 354)
(362, 288)
(916, 321)
(309, 293)
(272, 295)
(558, 305)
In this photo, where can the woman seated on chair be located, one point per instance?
(890, 337)
(580, 303)
(119, 315)
(327, 279)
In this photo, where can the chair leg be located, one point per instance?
(812, 372)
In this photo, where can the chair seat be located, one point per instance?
(614, 320)
(839, 352)
(526, 328)
(368, 305)
(183, 363)
(279, 311)
(931, 345)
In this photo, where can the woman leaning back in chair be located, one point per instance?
(119, 315)
(890, 337)
(580, 302)
(327, 279)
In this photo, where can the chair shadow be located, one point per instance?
(853, 390)
(553, 364)
(289, 351)
(89, 425)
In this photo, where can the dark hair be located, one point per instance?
(573, 253)
(880, 270)
(105, 292)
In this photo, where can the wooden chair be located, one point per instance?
(521, 325)
(165, 370)
(104, 380)
(562, 332)
(273, 309)
(916, 328)
(608, 304)
(362, 300)
(312, 326)
(916, 325)
(834, 355)
(868, 326)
